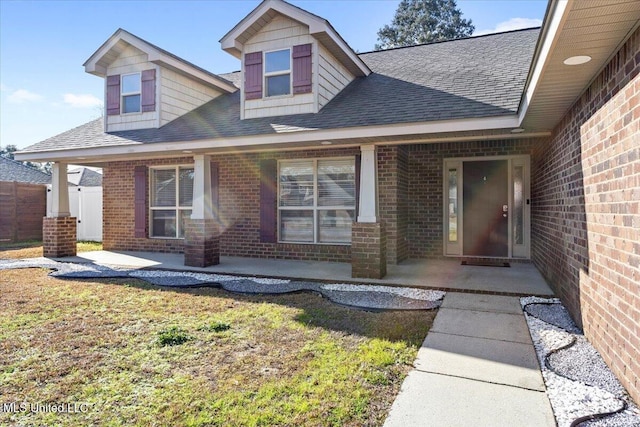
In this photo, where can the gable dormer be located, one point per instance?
(147, 87)
(293, 62)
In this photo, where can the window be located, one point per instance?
(131, 93)
(316, 200)
(171, 199)
(277, 72)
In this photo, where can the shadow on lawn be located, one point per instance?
(318, 311)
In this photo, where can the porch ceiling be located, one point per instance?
(596, 28)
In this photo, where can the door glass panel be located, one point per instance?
(518, 205)
(453, 205)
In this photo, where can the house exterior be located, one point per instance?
(520, 146)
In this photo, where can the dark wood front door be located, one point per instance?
(485, 208)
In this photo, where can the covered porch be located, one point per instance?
(520, 279)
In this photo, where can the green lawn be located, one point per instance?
(139, 355)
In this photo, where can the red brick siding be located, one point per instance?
(59, 236)
(392, 198)
(586, 218)
(425, 204)
(239, 191)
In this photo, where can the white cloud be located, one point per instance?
(22, 96)
(82, 100)
(511, 24)
(4, 88)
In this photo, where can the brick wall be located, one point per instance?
(425, 163)
(59, 236)
(239, 192)
(586, 213)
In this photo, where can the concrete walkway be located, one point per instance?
(519, 279)
(476, 367)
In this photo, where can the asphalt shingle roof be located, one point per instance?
(10, 170)
(84, 177)
(467, 78)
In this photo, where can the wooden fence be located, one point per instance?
(22, 207)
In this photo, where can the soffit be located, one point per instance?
(596, 28)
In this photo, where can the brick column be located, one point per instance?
(201, 243)
(59, 236)
(368, 250)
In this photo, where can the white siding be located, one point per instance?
(280, 33)
(333, 76)
(131, 60)
(180, 94)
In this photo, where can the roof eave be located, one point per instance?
(284, 140)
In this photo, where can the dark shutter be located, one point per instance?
(302, 68)
(215, 185)
(148, 90)
(253, 75)
(358, 167)
(140, 200)
(268, 199)
(113, 95)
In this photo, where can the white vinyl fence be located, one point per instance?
(85, 203)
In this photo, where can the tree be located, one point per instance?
(424, 21)
(8, 150)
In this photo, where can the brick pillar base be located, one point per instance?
(201, 243)
(59, 236)
(368, 250)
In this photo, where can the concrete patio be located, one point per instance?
(521, 279)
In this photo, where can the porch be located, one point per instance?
(520, 279)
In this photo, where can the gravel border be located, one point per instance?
(581, 388)
(360, 296)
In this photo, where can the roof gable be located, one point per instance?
(320, 28)
(98, 63)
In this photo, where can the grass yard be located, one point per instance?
(136, 354)
(33, 249)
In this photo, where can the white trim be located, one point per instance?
(455, 249)
(551, 34)
(317, 27)
(177, 208)
(155, 56)
(266, 75)
(315, 209)
(171, 149)
(123, 93)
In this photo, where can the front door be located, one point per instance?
(485, 204)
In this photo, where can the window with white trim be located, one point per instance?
(277, 72)
(131, 93)
(170, 200)
(316, 200)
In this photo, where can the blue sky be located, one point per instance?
(43, 44)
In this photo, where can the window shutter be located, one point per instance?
(358, 167)
(268, 196)
(113, 95)
(253, 75)
(302, 68)
(148, 90)
(140, 201)
(215, 186)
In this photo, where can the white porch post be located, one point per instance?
(202, 208)
(368, 209)
(59, 191)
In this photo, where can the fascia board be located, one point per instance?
(550, 35)
(399, 130)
